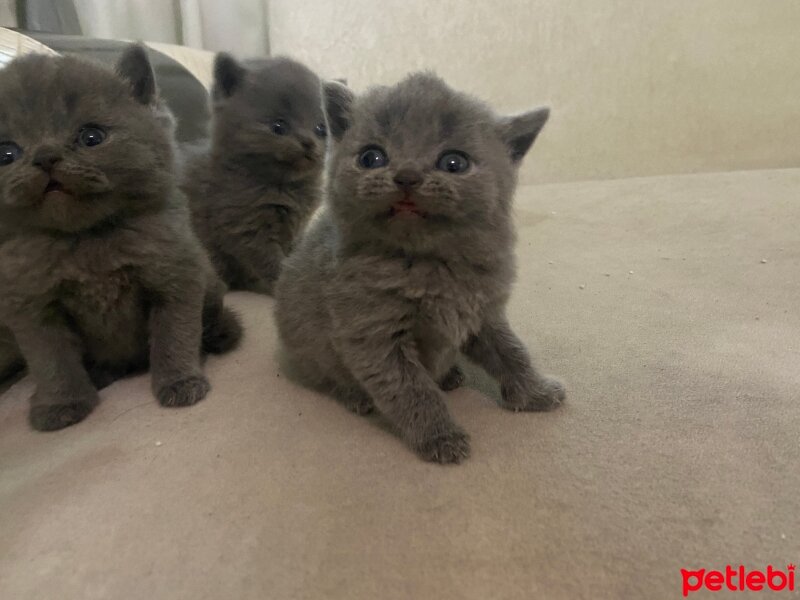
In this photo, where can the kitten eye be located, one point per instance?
(91, 135)
(453, 162)
(321, 130)
(9, 152)
(373, 158)
(280, 127)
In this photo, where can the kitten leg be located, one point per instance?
(453, 379)
(500, 352)
(333, 380)
(64, 393)
(222, 329)
(175, 338)
(390, 372)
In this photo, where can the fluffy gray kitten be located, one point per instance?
(254, 189)
(412, 261)
(100, 272)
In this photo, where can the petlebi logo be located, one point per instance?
(739, 579)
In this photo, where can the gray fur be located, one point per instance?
(105, 276)
(376, 305)
(252, 191)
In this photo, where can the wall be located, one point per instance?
(637, 88)
(236, 26)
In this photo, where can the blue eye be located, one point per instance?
(453, 162)
(91, 135)
(9, 152)
(280, 127)
(321, 130)
(373, 158)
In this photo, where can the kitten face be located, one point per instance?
(268, 117)
(78, 143)
(419, 158)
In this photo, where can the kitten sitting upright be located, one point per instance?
(413, 261)
(253, 191)
(100, 271)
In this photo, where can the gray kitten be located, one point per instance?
(254, 189)
(413, 261)
(100, 272)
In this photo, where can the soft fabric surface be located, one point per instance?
(678, 445)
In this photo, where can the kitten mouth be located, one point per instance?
(406, 206)
(56, 187)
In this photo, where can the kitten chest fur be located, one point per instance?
(436, 302)
(92, 281)
(111, 310)
(261, 209)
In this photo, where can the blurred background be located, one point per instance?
(637, 88)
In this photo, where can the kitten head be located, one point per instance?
(79, 144)
(268, 118)
(419, 160)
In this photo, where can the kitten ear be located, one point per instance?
(520, 131)
(228, 76)
(337, 99)
(134, 67)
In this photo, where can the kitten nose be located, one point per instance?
(307, 143)
(407, 178)
(46, 158)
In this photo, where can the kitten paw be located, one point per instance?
(223, 333)
(546, 393)
(184, 392)
(453, 379)
(51, 417)
(450, 447)
(355, 399)
(361, 406)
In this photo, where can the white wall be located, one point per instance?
(236, 26)
(637, 87)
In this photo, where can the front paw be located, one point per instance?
(448, 447)
(360, 404)
(222, 332)
(545, 393)
(60, 414)
(453, 379)
(184, 392)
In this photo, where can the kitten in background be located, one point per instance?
(259, 182)
(100, 271)
(413, 261)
